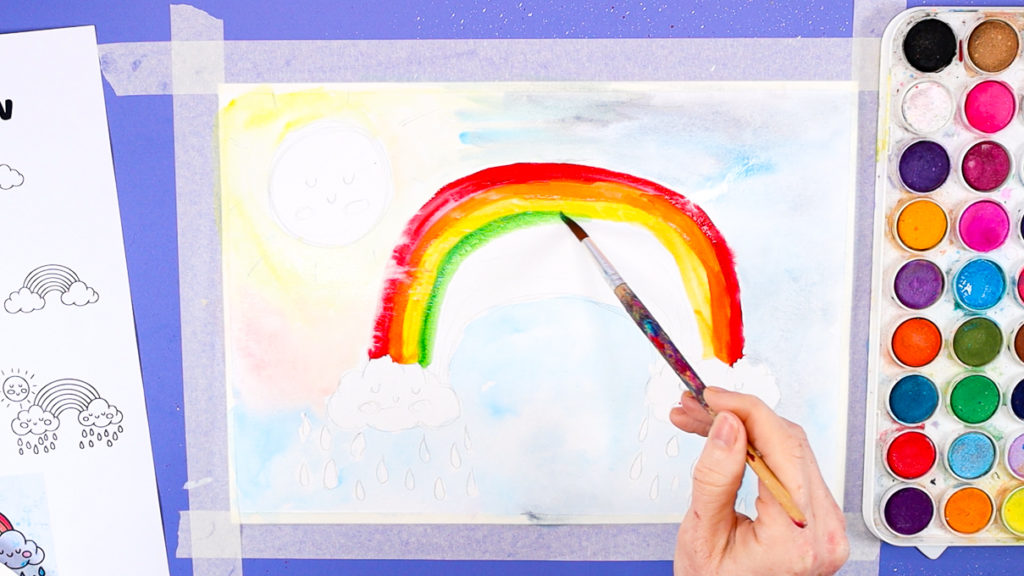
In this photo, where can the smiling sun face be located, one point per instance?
(15, 388)
(330, 183)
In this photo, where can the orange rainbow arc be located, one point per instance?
(469, 212)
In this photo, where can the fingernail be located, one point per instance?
(723, 430)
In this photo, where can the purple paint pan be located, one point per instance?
(918, 284)
(1015, 455)
(924, 166)
(908, 510)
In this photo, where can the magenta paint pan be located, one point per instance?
(989, 106)
(946, 341)
(985, 166)
(983, 226)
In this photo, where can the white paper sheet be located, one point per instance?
(74, 438)
(540, 402)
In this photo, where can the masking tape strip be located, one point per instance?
(207, 532)
(869, 21)
(196, 60)
(142, 68)
(212, 537)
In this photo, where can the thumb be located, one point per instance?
(718, 474)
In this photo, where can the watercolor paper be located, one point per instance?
(412, 335)
(72, 409)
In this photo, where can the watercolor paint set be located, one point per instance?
(944, 457)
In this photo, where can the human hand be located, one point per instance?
(713, 538)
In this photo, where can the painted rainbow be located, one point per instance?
(469, 212)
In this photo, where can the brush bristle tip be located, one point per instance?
(577, 230)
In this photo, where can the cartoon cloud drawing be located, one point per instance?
(44, 280)
(18, 552)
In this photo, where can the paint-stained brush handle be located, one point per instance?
(774, 485)
(662, 343)
(650, 327)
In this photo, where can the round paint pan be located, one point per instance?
(1015, 399)
(1013, 454)
(973, 399)
(971, 455)
(992, 46)
(915, 342)
(927, 107)
(918, 284)
(977, 341)
(913, 399)
(979, 284)
(920, 225)
(967, 510)
(923, 166)
(983, 226)
(908, 510)
(985, 166)
(989, 106)
(1021, 175)
(910, 455)
(1016, 345)
(1012, 511)
(1018, 289)
(929, 45)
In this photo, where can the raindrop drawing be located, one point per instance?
(424, 451)
(325, 439)
(358, 447)
(636, 469)
(672, 448)
(456, 458)
(330, 475)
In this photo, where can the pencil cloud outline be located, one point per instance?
(10, 178)
(23, 300)
(391, 397)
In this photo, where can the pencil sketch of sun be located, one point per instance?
(330, 183)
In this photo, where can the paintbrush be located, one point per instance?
(657, 336)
